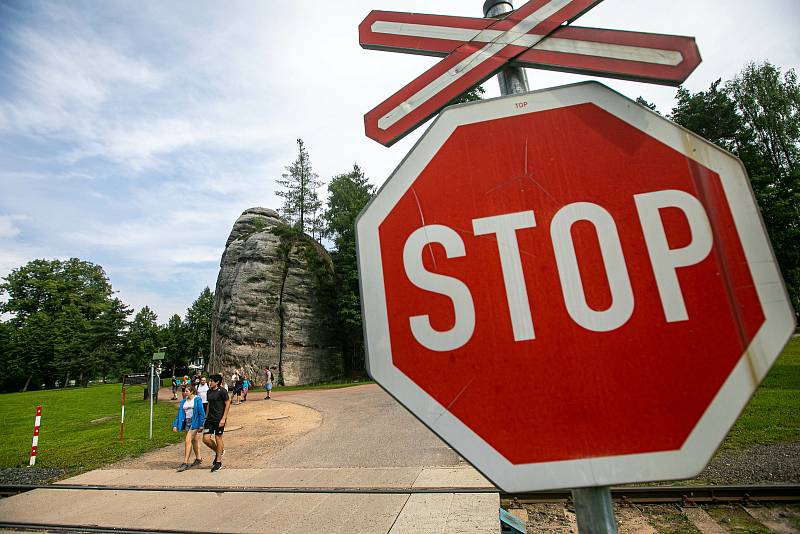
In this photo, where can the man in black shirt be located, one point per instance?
(218, 406)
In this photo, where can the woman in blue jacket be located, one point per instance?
(190, 419)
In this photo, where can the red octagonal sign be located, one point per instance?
(570, 290)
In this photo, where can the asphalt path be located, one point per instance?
(362, 426)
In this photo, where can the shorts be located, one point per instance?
(269, 386)
(187, 425)
(212, 427)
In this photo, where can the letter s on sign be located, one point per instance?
(456, 290)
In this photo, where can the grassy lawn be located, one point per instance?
(80, 426)
(773, 414)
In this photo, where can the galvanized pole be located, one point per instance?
(593, 507)
(152, 367)
(594, 510)
(512, 79)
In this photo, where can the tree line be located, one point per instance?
(66, 324)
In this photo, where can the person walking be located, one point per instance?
(202, 391)
(219, 404)
(237, 388)
(174, 388)
(190, 420)
(270, 379)
(245, 387)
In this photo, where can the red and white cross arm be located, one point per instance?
(644, 57)
(470, 63)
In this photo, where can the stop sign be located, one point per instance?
(570, 290)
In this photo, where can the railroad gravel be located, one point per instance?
(778, 463)
(29, 475)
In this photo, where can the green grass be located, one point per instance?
(668, 519)
(773, 414)
(735, 520)
(80, 426)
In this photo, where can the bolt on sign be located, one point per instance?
(570, 290)
(474, 49)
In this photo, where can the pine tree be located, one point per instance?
(347, 195)
(300, 201)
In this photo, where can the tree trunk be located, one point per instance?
(27, 383)
(66, 381)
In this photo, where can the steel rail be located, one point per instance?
(634, 494)
(674, 494)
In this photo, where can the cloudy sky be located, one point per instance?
(132, 134)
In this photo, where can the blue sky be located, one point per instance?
(132, 134)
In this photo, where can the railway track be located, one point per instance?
(688, 495)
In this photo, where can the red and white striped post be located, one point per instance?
(35, 444)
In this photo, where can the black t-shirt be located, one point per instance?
(216, 404)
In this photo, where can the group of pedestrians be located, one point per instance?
(204, 408)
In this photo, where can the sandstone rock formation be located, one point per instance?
(260, 275)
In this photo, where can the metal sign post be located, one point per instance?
(512, 80)
(594, 510)
(152, 367)
(156, 356)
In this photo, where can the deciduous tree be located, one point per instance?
(198, 325)
(143, 340)
(757, 117)
(52, 303)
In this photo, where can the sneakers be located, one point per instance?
(216, 467)
(183, 468)
(197, 461)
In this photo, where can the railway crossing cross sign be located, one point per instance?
(532, 36)
(589, 299)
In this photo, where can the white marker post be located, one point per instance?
(35, 445)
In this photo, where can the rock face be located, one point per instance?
(260, 275)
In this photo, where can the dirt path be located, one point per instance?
(255, 430)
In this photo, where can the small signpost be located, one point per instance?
(157, 356)
(567, 288)
(132, 379)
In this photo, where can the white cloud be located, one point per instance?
(8, 226)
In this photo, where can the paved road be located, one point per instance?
(362, 427)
